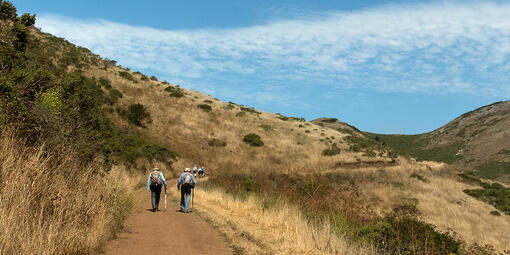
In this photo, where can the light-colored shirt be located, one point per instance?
(179, 182)
(160, 176)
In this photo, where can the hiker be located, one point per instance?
(194, 170)
(185, 184)
(155, 182)
(201, 172)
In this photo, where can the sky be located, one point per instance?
(403, 67)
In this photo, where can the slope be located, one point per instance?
(475, 140)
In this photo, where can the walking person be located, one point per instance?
(155, 183)
(185, 184)
(201, 172)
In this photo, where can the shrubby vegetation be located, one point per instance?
(337, 198)
(253, 140)
(205, 107)
(175, 91)
(127, 76)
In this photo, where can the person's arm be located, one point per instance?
(149, 182)
(163, 178)
(194, 181)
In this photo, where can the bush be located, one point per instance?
(104, 82)
(153, 78)
(174, 91)
(138, 115)
(253, 140)
(115, 95)
(144, 77)
(332, 151)
(208, 101)
(205, 107)
(330, 120)
(127, 76)
(495, 213)
(266, 127)
(250, 110)
(494, 194)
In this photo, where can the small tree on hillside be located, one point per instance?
(139, 115)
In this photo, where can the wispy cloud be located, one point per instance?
(432, 48)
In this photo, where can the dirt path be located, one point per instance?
(166, 232)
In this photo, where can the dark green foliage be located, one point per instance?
(284, 118)
(332, 151)
(413, 146)
(138, 115)
(493, 169)
(175, 91)
(217, 143)
(504, 152)
(114, 96)
(250, 110)
(330, 120)
(494, 194)
(205, 107)
(153, 78)
(208, 101)
(144, 77)
(253, 140)
(27, 19)
(495, 213)
(104, 82)
(402, 232)
(471, 177)
(361, 144)
(127, 76)
(7, 11)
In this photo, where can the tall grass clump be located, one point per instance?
(51, 203)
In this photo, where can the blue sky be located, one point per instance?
(384, 66)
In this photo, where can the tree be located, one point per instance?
(7, 11)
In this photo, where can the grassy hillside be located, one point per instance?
(476, 140)
(345, 193)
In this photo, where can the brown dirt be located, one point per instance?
(166, 232)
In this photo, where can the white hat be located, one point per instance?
(187, 170)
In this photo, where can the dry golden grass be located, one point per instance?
(50, 206)
(443, 203)
(181, 126)
(280, 230)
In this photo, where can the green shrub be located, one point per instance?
(495, 213)
(51, 100)
(144, 77)
(208, 101)
(115, 95)
(138, 115)
(153, 78)
(205, 107)
(104, 82)
(127, 76)
(494, 194)
(250, 110)
(174, 91)
(253, 140)
(330, 120)
(504, 152)
(332, 151)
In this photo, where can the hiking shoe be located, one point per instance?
(153, 209)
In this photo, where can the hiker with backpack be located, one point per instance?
(185, 184)
(201, 172)
(155, 183)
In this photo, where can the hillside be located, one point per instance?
(276, 184)
(475, 140)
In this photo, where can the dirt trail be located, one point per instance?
(166, 232)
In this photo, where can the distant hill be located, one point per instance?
(477, 140)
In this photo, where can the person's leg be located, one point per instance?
(158, 196)
(188, 196)
(153, 199)
(182, 197)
